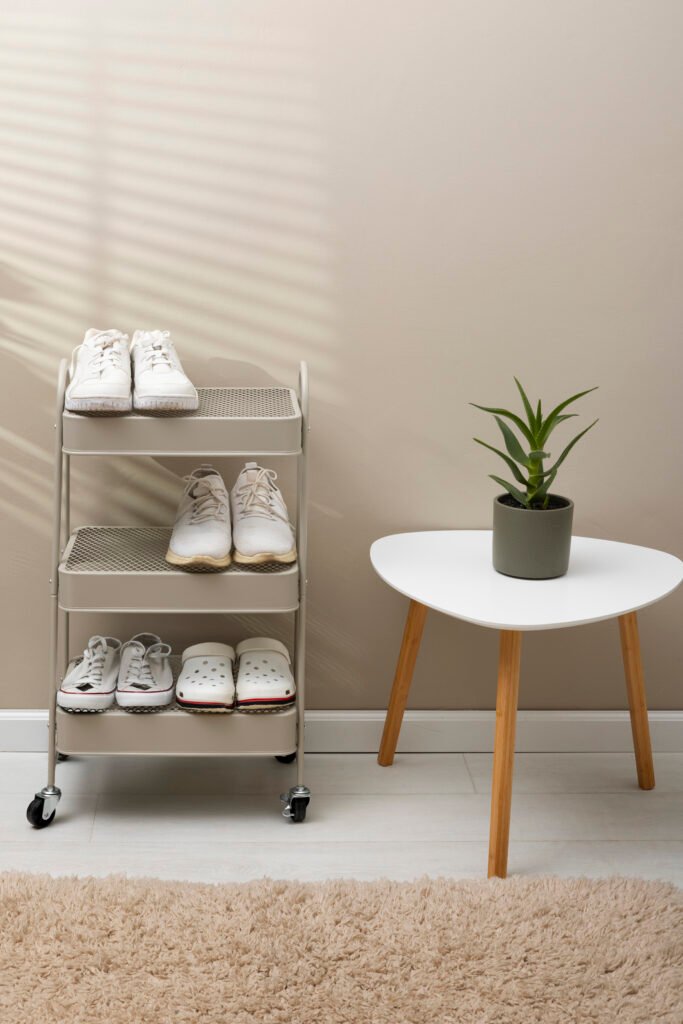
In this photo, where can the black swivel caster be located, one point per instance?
(62, 757)
(286, 758)
(34, 814)
(41, 811)
(295, 801)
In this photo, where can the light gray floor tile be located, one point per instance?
(361, 818)
(552, 816)
(325, 773)
(578, 773)
(646, 859)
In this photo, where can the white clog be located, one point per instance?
(206, 679)
(264, 677)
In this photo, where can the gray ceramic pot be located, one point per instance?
(532, 544)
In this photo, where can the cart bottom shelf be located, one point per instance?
(175, 731)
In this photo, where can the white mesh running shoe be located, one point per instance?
(145, 676)
(90, 681)
(100, 374)
(201, 535)
(261, 528)
(160, 383)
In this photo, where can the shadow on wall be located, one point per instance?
(154, 173)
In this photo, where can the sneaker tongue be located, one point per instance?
(251, 470)
(206, 485)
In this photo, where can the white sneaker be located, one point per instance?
(206, 682)
(262, 531)
(100, 374)
(90, 681)
(201, 535)
(264, 678)
(160, 384)
(145, 676)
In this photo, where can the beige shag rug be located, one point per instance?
(147, 952)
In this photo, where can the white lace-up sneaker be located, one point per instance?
(201, 535)
(264, 678)
(160, 383)
(145, 676)
(262, 531)
(100, 374)
(90, 681)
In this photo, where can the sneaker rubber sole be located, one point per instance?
(166, 403)
(265, 556)
(199, 561)
(121, 405)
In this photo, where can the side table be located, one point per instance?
(451, 572)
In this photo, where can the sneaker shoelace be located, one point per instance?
(139, 675)
(157, 354)
(107, 353)
(93, 659)
(257, 497)
(209, 499)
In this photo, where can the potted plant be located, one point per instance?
(532, 527)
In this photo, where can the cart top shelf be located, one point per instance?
(229, 421)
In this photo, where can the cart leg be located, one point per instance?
(504, 751)
(297, 799)
(410, 645)
(635, 687)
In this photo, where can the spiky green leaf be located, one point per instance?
(527, 408)
(517, 420)
(512, 444)
(511, 489)
(551, 418)
(539, 417)
(512, 465)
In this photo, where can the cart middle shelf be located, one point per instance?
(123, 569)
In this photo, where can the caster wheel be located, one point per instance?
(34, 814)
(62, 757)
(286, 758)
(299, 810)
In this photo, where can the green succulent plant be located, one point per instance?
(525, 455)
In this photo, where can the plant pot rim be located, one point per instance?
(546, 511)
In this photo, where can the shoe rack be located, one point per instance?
(122, 569)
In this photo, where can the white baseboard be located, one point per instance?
(430, 731)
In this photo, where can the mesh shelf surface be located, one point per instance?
(123, 568)
(228, 421)
(175, 731)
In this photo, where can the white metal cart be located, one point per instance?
(122, 569)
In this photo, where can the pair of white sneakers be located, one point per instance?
(137, 675)
(107, 376)
(250, 525)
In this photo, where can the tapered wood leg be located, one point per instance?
(635, 687)
(410, 645)
(504, 751)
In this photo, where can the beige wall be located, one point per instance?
(419, 198)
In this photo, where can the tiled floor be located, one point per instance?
(212, 820)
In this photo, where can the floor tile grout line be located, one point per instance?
(469, 772)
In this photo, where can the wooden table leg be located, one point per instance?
(410, 645)
(635, 687)
(504, 751)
